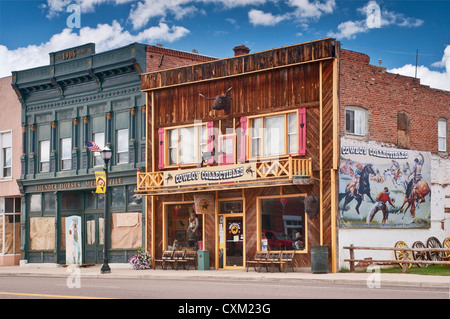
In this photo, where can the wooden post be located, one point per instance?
(405, 265)
(352, 257)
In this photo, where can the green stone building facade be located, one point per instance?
(82, 96)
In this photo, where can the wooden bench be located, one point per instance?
(166, 256)
(286, 259)
(257, 259)
(272, 257)
(190, 257)
(178, 255)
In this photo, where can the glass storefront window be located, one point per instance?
(184, 227)
(70, 201)
(118, 196)
(35, 203)
(133, 200)
(283, 222)
(49, 201)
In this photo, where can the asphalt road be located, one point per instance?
(16, 287)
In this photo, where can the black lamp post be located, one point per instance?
(106, 156)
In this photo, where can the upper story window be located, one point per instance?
(274, 135)
(66, 153)
(6, 155)
(99, 139)
(185, 145)
(356, 119)
(442, 135)
(122, 146)
(44, 156)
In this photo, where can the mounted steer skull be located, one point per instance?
(222, 102)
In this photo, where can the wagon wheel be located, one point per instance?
(446, 244)
(433, 242)
(399, 253)
(420, 255)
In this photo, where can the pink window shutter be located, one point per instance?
(302, 131)
(210, 142)
(243, 154)
(161, 148)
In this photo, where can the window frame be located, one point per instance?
(444, 137)
(41, 153)
(362, 110)
(259, 220)
(260, 137)
(96, 155)
(66, 159)
(200, 129)
(3, 150)
(119, 151)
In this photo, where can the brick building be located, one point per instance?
(390, 114)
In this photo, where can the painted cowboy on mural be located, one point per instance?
(381, 204)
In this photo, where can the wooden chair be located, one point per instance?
(259, 256)
(166, 256)
(286, 259)
(272, 257)
(189, 259)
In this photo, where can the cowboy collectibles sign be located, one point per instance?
(211, 175)
(382, 187)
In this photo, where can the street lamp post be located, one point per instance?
(106, 156)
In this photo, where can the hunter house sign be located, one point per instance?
(210, 175)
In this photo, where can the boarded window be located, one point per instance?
(403, 139)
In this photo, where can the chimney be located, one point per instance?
(240, 50)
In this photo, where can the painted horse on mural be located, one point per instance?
(415, 195)
(358, 187)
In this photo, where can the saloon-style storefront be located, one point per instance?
(241, 155)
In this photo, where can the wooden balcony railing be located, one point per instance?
(271, 172)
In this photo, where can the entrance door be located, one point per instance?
(94, 238)
(232, 241)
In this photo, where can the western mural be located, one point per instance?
(382, 187)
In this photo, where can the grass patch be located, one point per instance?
(431, 270)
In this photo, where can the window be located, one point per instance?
(66, 153)
(6, 155)
(122, 146)
(44, 156)
(355, 121)
(442, 135)
(186, 145)
(283, 221)
(274, 135)
(184, 226)
(11, 226)
(99, 139)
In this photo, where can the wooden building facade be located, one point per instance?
(242, 153)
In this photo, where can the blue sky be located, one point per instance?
(30, 29)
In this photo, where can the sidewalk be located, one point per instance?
(125, 271)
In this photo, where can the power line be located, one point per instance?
(398, 52)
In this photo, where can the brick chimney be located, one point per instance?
(241, 50)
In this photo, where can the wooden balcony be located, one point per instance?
(258, 174)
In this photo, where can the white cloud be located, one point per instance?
(305, 9)
(435, 79)
(349, 29)
(105, 37)
(258, 17)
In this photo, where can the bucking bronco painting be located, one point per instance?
(381, 187)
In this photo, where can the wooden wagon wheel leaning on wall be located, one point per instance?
(433, 242)
(446, 244)
(420, 255)
(399, 253)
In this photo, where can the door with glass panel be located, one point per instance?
(231, 234)
(94, 228)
